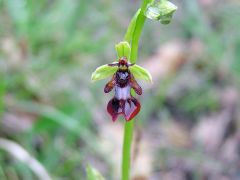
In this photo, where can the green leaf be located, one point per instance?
(93, 174)
(103, 72)
(140, 73)
(123, 49)
(131, 27)
(161, 11)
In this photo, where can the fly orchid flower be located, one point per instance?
(123, 102)
(123, 80)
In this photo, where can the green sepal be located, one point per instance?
(140, 73)
(123, 49)
(103, 72)
(161, 11)
(93, 174)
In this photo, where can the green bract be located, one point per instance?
(123, 49)
(93, 174)
(161, 11)
(103, 72)
(131, 27)
(140, 73)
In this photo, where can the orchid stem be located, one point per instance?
(126, 153)
(132, 36)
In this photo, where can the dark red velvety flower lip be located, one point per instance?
(129, 108)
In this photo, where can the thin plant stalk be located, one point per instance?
(126, 153)
(132, 36)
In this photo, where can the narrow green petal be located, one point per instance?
(103, 72)
(140, 73)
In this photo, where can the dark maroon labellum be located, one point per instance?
(123, 102)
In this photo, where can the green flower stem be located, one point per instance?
(132, 36)
(126, 153)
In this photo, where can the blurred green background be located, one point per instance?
(189, 125)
